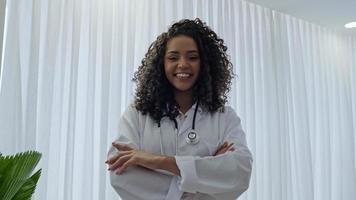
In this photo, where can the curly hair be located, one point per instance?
(155, 95)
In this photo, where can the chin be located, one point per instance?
(183, 89)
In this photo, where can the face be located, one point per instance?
(182, 63)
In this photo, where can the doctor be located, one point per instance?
(178, 140)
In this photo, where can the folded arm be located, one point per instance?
(226, 173)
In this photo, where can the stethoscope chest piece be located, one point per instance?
(192, 137)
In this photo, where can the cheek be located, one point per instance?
(166, 68)
(168, 71)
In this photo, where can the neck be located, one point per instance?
(184, 100)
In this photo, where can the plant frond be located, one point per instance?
(15, 170)
(28, 188)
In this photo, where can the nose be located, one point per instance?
(183, 63)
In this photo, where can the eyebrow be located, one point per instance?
(176, 52)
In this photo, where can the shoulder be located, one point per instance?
(227, 114)
(132, 113)
(226, 111)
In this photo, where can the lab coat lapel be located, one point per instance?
(167, 131)
(187, 125)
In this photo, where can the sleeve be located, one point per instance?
(135, 178)
(128, 130)
(225, 173)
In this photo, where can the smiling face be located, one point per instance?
(182, 63)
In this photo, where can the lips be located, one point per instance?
(182, 75)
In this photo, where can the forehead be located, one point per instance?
(181, 43)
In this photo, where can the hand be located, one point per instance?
(225, 147)
(128, 156)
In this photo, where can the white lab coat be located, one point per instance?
(203, 176)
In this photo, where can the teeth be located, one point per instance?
(182, 75)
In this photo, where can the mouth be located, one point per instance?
(183, 75)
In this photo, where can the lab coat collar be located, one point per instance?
(187, 124)
(195, 105)
(192, 108)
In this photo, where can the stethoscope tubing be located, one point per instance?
(192, 137)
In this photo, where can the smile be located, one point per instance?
(182, 75)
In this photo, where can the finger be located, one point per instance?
(232, 149)
(119, 162)
(221, 151)
(227, 148)
(217, 151)
(224, 149)
(127, 164)
(114, 158)
(122, 147)
(221, 148)
(224, 145)
(230, 145)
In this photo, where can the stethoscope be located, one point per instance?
(192, 136)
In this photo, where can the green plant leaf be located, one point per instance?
(15, 171)
(28, 188)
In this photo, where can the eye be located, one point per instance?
(172, 58)
(194, 57)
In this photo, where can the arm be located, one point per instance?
(134, 179)
(131, 157)
(169, 163)
(226, 173)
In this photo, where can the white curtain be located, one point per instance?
(67, 75)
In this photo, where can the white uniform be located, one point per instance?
(203, 176)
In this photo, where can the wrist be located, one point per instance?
(152, 162)
(159, 161)
(167, 163)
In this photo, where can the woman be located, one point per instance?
(178, 140)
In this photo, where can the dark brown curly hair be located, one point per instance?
(154, 94)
